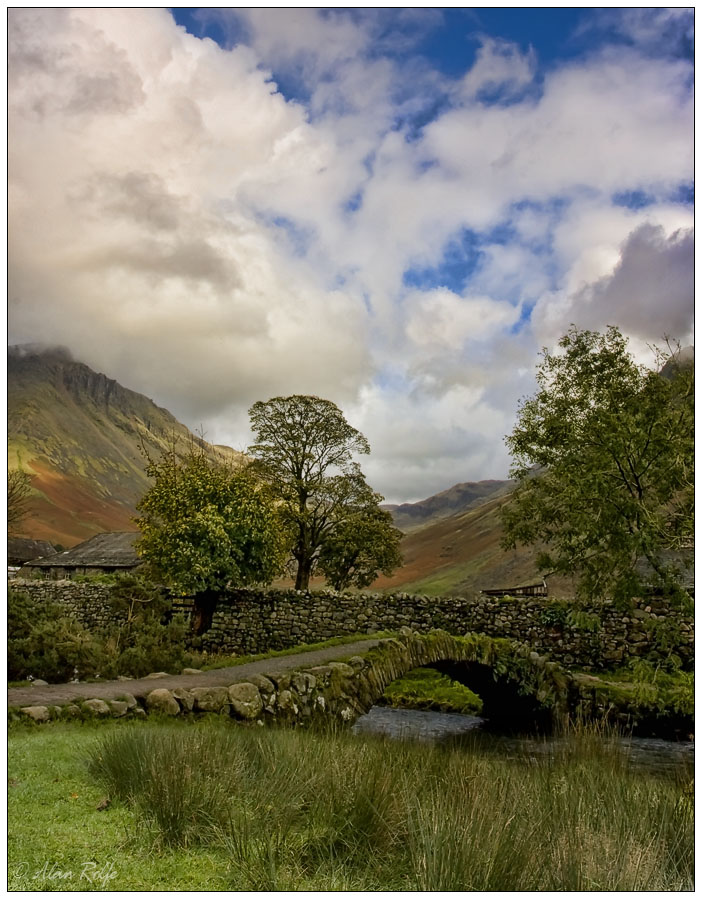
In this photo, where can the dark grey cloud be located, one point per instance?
(650, 294)
(192, 260)
(140, 197)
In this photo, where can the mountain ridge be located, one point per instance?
(460, 497)
(80, 435)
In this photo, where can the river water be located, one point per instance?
(653, 754)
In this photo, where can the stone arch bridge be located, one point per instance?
(519, 687)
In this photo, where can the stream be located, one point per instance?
(652, 754)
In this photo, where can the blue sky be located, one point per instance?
(392, 208)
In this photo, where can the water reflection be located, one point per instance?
(654, 754)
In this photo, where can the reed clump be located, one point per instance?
(295, 810)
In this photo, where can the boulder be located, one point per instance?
(162, 701)
(118, 708)
(185, 698)
(96, 707)
(70, 711)
(188, 671)
(129, 700)
(303, 682)
(211, 699)
(37, 713)
(157, 675)
(287, 704)
(245, 699)
(39, 682)
(358, 663)
(264, 684)
(342, 669)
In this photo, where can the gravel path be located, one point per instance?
(55, 694)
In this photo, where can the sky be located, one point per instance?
(395, 209)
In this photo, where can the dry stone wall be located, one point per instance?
(250, 621)
(87, 602)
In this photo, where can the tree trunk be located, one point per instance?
(203, 608)
(302, 578)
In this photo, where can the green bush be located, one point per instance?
(553, 614)
(150, 647)
(46, 643)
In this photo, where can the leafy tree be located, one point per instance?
(361, 547)
(19, 489)
(303, 450)
(205, 525)
(603, 457)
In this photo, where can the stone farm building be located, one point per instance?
(23, 550)
(102, 554)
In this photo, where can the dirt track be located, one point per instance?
(56, 694)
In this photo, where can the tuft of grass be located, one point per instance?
(295, 810)
(181, 783)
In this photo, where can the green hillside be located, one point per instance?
(461, 554)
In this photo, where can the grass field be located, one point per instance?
(261, 809)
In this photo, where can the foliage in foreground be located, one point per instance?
(296, 810)
(603, 456)
(45, 642)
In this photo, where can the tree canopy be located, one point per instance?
(304, 451)
(603, 458)
(364, 545)
(205, 525)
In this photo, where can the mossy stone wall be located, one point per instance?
(247, 621)
(252, 621)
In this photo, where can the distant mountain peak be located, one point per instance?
(80, 435)
(56, 351)
(456, 499)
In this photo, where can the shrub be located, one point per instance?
(46, 643)
(150, 647)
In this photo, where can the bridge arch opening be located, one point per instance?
(519, 690)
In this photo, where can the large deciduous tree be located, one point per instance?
(205, 526)
(304, 450)
(603, 457)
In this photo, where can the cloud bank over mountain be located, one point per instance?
(311, 203)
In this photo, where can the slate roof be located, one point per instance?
(112, 550)
(21, 550)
